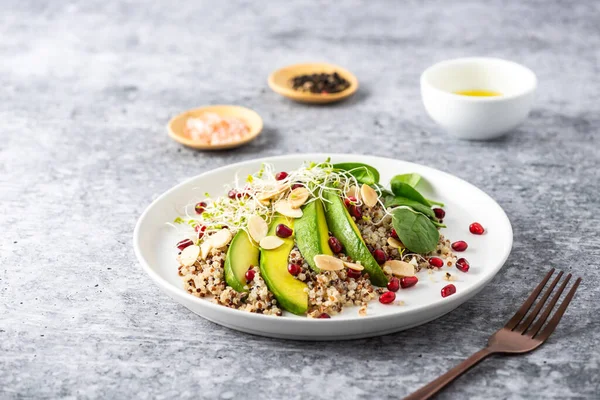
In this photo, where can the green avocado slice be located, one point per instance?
(342, 226)
(241, 256)
(312, 234)
(289, 291)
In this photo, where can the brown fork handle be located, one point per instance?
(435, 386)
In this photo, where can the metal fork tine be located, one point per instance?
(514, 321)
(540, 322)
(559, 313)
(531, 317)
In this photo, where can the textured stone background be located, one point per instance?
(86, 91)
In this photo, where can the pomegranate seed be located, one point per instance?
(184, 243)
(355, 211)
(448, 290)
(283, 231)
(394, 234)
(387, 297)
(460, 245)
(324, 315)
(352, 273)
(379, 256)
(394, 284)
(463, 265)
(350, 200)
(436, 262)
(294, 269)
(476, 228)
(297, 185)
(408, 281)
(439, 213)
(200, 207)
(232, 194)
(335, 245)
(200, 229)
(281, 175)
(250, 275)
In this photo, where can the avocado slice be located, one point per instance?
(342, 226)
(241, 255)
(312, 234)
(289, 291)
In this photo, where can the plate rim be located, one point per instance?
(174, 293)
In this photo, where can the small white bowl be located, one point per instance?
(478, 118)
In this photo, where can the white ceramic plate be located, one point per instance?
(154, 243)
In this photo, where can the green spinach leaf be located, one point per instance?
(410, 179)
(415, 230)
(362, 172)
(405, 190)
(395, 201)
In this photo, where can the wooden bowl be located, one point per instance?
(250, 118)
(280, 82)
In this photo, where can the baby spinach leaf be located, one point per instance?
(405, 190)
(395, 201)
(362, 172)
(410, 179)
(415, 230)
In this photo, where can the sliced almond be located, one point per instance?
(221, 238)
(353, 192)
(272, 193)
(298, 197)
(283, 207)
(257, 228)
(368, 195)
(395, 243)
(400, 268)
(270, 242)
(328, 263)
(356, 267)
(189, 255)
(205, 249)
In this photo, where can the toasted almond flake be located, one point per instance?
(272, 193)
(205, 249)
(369, 195)
(257, 228)
(221, 238)
(298, 197)
(328, 263)
(270, 242)
(356, 267)
(395, 243)
(283, 207)
(189, 255)
(353, 192)
(400, 268)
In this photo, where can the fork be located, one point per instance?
(519, 335)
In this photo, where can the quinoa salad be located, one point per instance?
(313, 241)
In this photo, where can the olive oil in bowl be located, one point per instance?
(478, 93)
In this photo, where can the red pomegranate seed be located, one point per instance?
(448, 290)
(460, 245)
(394, 284)
(335, 245)
(355, 211)
(324, 315)
(350, 200)
(281, 175)
(379, 256)
(294, 269)
(297, 185)
(394, 234)
(436, 262)
(439, 213)
(352, 273)
(408, 281)
(283, 231)
(232, 194)
(387, 297)
(184, 243)
(476, 229)
(463, 265)
(200, 229)
(250, 275)
(200, 207)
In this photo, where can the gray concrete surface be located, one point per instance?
(86, 91)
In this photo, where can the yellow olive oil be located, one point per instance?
(478, 93)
